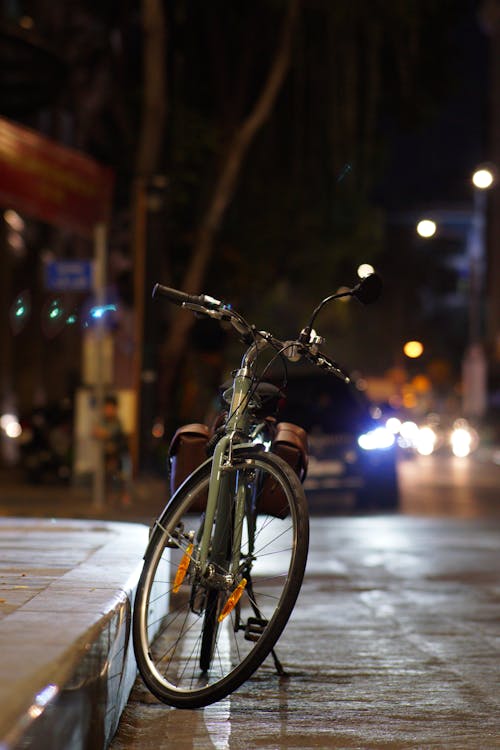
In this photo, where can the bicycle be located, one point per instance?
(226, 557)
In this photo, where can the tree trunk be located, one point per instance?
(154, 109)
(148, 160)
(223, 192)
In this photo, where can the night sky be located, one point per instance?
(433, 163)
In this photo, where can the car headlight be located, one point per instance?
(426, 441)
(463, 439)
(378, 439)
(461, 442)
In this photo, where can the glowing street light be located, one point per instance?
(483, 178)
(364, 270)
(413, 349)
(474, 364)
(426, 228)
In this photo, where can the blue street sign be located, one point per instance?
(69, 275)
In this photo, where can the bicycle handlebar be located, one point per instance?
(204, 303)
(181, 298)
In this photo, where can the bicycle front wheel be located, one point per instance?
(188, 656)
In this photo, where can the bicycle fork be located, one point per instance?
(217, 557)
(221, 464)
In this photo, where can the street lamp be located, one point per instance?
(413, 349)
(483, 178)
(426, 228)
(364, 270)
(474, 370)
(474, 361)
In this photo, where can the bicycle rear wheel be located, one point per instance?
(186, 656)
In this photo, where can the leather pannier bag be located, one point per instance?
(290, 444)
(188, 449)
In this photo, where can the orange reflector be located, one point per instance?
(182, 569)
(233, 599)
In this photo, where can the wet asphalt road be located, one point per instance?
(394, 643)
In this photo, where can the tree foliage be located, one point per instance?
(305, 196)
(304, 209)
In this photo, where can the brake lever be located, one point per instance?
(334, 368)
(202, 310)
(325, 363)
(241, 327)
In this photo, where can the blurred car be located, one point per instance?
(351, 453)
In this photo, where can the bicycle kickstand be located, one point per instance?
(277, 663)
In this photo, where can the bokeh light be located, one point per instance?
(483, 178)
(13, 219)
(10, 425)
(413, 349)
(364, 270)
(20, 311)
(426, 441)
(393, 424)
(426, 228)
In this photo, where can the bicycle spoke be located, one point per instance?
(187, 656)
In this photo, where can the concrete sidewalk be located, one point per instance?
(67, 664)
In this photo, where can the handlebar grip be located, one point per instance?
(174, 295)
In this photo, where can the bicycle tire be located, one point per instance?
(167, 627)
(219, 556)
(209, 631)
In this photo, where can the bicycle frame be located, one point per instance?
(238, 423)
(234, 535)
